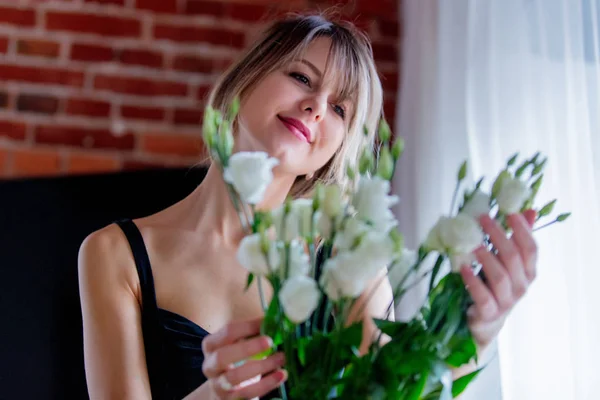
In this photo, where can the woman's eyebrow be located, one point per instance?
(313, 67)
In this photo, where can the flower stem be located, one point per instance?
(454, 197)
(545, 226)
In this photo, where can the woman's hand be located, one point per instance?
(508, 275)
(236, 342)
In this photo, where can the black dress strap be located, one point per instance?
(142, 263)
(151, 319)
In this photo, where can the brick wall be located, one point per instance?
(106, 85)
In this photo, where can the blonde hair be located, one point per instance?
(284, 41)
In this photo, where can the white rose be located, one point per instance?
(251, 256)
(352, 230)
(460, 234)
(324, 224)
(512, 195)
(332, 200)
(375, 251)
(373, 203)
(478, 204)
(250, 173)
(299, 297)
(460, 259)
(342, 279)
(297, 221)
(299, 260)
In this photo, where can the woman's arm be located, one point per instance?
(115, 363)
(373, 303)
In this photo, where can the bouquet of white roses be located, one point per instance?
(319, 254)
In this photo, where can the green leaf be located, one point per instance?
(462, 350)
(415, 394)
(459, 385)
(249, 281)
(512, 160)
(350, 173)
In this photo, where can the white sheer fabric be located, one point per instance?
(483, 79)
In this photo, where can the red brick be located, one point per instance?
(141, 57)
(13, 130)
(59, 76)
(117, 2)
(37, 103)
(17, 16)
(188, 116)
(247, 12)
(384, 8)
(150, 113)
(91, 23)
(389, 28)
(36, 163)
(385, 52)
(202, 93)
(83, 137)
(158, 6)
(218, 36)
(88, 163)
(3, 45)
(172, 144)
(3, 99)
(33, 47)
(140, 86)
(88, 107)
(90, 52)
(214, 8)
(390, 82)
(3, 163)
(135, 165)
(191, 63)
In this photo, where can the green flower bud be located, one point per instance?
(499, 182)
(397, 239)
(366, 162)
(462, 172)
(318, 196)
(365, 130)
(234, 108)
(512, 160)
(539, 167)
(384, 131)
(397, 148)
(385, 165)
(563, 217)
(547, 209)
(350, 173)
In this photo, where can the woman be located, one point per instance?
(307, 88)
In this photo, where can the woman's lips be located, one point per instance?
(296, 128)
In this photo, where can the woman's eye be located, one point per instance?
(302, 78)
(340, 111)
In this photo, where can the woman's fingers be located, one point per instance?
(260, 388)
(485, 302)
(231, 333)
(510, 259)
(221, 359)
(525, 243)
(254, 368)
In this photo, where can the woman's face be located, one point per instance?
(293, 114)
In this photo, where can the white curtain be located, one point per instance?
(481, 80)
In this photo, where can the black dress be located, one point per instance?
(173, 343)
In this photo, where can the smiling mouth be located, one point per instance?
(294, 130)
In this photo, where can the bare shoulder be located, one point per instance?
(105, 256)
